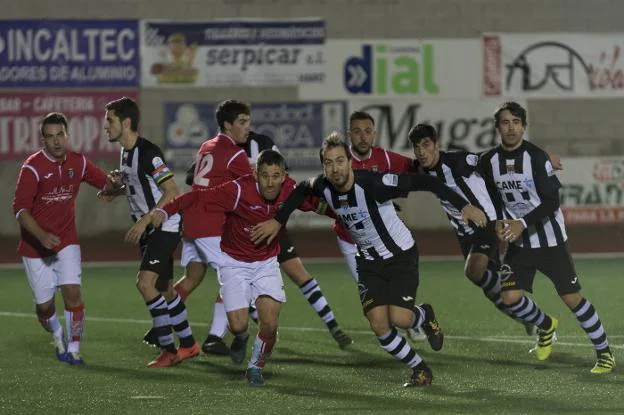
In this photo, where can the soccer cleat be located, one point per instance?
(164, 359)
(432, 329)
(254, 376)
(415, 335)
(545, 341)
(341, 338)
(75, 359)
(215, 345)
(421, 376)
(188, 352)
(150, 338)
(238, 349)
(604, 364)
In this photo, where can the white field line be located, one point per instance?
(491, 339)
(325, 260)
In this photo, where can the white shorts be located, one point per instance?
(349, 251)
(45, 275)
(243, 282)
(205, 250)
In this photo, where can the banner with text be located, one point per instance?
(461, 124)
(592, 190)
(247, 52)
(408, 68)
(553, 65)
(297, 128)
(21, 114)
(69, 53)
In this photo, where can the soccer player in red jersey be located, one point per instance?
(249, 274)
(218, 160)
(44, 206)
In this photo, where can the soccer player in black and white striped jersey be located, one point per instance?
(149, 184)
(479, 246)
(528, 191)
(387, 258)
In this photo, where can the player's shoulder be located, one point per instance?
(488, 154)
(147, 147)
(460, 158)
(35, 159)
(534, 150)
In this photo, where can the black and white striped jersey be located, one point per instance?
(144, 169)
(367, 211)
(527, 189)
(257, 143)
(457, 170)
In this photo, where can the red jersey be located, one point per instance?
(47, 189)
(381, 160)
(245, 208)
(218, 160)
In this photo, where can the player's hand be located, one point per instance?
(475, 215)
(509, 230)
(555, 160)
(49, 240)
(134, 234)
(157, 218)
(266, 230)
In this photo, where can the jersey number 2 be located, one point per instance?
(203, 165)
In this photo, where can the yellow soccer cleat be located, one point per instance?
(604, 364)
(545, 341)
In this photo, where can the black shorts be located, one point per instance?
(157, 248)
(391, 281)
(520, 264)
(482, 241)
(287, 249)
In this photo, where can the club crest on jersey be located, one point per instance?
(511, 166)
(344, 201)
(70, 173)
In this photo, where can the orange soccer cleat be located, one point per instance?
(188, 352)
(164, 359)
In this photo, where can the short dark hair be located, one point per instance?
(516, 110)
(53, 118)
(333, 140)
(360, 115)
(126, 108)
(270, 158)
(421, 131)
(229, 110)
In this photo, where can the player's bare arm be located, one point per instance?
(48, 240)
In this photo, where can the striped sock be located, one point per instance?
(526, 310)
(162, 325)
(490, 284)
(179, 321)
(590, 322)
(312, 292)
(393, 343)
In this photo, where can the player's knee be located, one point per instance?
(511, 297)
(268, 328)
(144, 283)
(379, 327)
(72, 296)
(238, 322)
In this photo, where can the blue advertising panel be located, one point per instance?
(69, 53)
(297, 128)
